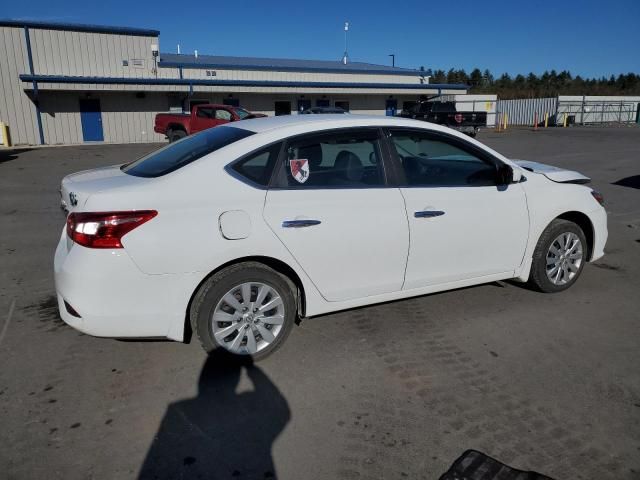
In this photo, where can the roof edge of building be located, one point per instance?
(279, 68)
(249, 83)
(77, 27)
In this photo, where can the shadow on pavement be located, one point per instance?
(7, 155)
(220, 434)
(631, 182)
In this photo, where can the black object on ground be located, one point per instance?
(474, 465)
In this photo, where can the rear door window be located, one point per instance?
(342, 159)
(177, 155)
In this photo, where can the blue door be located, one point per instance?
(91, 120)
(391, 107)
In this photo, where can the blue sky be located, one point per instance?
(590, 38)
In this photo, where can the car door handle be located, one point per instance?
(300, 223)
(428, 213)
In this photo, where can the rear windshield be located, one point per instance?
(177, 155)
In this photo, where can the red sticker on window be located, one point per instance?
(299, 169)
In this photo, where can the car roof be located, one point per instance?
(321, 122)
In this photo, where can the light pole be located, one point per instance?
(393, 59)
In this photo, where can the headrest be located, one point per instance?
(350, 165)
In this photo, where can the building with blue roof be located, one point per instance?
(67, 83)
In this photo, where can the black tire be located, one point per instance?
(218, 285)
(175, 135)
(538, 278)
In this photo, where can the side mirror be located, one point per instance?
(504, 175)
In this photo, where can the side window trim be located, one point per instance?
(280, 167)
(229, 167)
(438, 136)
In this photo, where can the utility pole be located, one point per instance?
(345, 58)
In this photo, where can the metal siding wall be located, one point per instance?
(61, 118)
(522, 111)
(57, 52)
(225, 74)
(16, 109)
(127, 119)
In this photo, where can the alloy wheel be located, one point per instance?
(248, 318)
(564, 258)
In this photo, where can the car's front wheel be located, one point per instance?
(559, 257)
(246, 309)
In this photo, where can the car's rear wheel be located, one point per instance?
(559, 257)
(247, 309)
(175, 135)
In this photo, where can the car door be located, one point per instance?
(462, 224)
(330, 206)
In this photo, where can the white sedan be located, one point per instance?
(235, 232)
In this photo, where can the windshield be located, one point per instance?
(242, 113)
(177, 155)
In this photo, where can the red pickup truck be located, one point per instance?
(178, 125)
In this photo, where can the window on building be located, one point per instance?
(408, 105)
(343, 104)
(234, 102)
(282, 108)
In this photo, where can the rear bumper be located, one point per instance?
(114, 298)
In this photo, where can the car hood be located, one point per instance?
(77, 187)
(555, 174)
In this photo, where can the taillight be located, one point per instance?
(598, 196)
(105, 229)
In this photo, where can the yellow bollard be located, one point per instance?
(546, 119)
(506, 120)
(564, 120)
(4, 134)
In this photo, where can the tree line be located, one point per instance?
(549, 84)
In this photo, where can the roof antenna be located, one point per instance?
(345, 59)
(178, 49)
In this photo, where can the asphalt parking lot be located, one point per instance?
(543, 382)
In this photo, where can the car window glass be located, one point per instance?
(345, 159)
(428, 161)
(223, 115)
(205, 112)
(241, 112)
(178, 154)
(258, 166)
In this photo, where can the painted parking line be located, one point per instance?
(6, 323)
